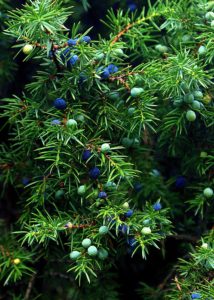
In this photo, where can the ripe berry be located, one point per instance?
(195, 296)
(94, 173)
(72, 42)
(92, 251)
(27, 49)
(25, 180)
(112, 68)
(71, 123)
(86, 39)
(60, 104)
(132, 242)
(86, 243)
(190, 115)
(55, 122)
(132, 7)
(86, 154)
(59, 194)
(138, 186)
(129, 213)
(208, 192)
(81, 190)
(102, 195)
(202, 50)
(102, 253)
(135, 92)
(196, 105)
(123, 228)
(180, 182)
(103, 230)
(105, 148)
(73, 60)
(157, 206)
(146, 230)
(105, 74)
(74, 255)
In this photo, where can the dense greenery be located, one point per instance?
(110, 149)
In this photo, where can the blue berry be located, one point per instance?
(86, 154)
(157, 206)
(25, 180)
(65, 54)
(195, 296)
(103, 230)
(86, 243)
(123, 228)
(129, 213)
(132, 242)
(92, 251)
(105, 74)
(112, 68)
(86, 39)
(138, 187)
(132, 7)
(73, 59)
(94, 173)
(180, 182)
(72, 42)
(55, 122)
(102, 195)
(60, 104)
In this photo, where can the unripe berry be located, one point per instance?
(114, 95)
(209, 15)
(186, 38)
(190, 115)
(127, 142)
(198, 95)
(99, 56)
(146, 222)
(207, 99)
(184, 86)
(74, 255)
(203, 154)
(81, 190)
(208, 192)
(189, 98)
(202, 50)
(212, 23)
(204, 246)
(135, 92)
(105, 148)
(27, 49)
(119, 52)
(131, 111)
(71, 123)
(59, 194)
(196, 105)
(161, 48)
(86, 243)
(92, 251)
(16, 261)
(146, 230)
(125, 205)
(102, 253)
(103, 230)
(110, 185)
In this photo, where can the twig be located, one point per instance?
(29, 287)
(184, 237)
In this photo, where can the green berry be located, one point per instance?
(146, 230)
(138, 79)
(209, 15)
(27, 49)
(92, 251)
(75, 254)
(59, 194)
(103, 230)
(189, 98)
(119, 52)
(127, 142)
(135, 92)
(125, 205)
(212, 23)
(146, 222)
(186, 38)
(102, 253)
(198, 95)
(114, 95)
(71, 123)
(110, 186)
(208, 192)
(196, 105)
(81, 190)
(177, 102)
(80, 118)
(105, 148)
(204, 246)
(161, 48)
(190, 115)
(86, 243)
(203, 154)
(131, 111)
(184, 86)
(202, 50)
(99, 56)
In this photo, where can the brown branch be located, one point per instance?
(184, 237)
(29, 288)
